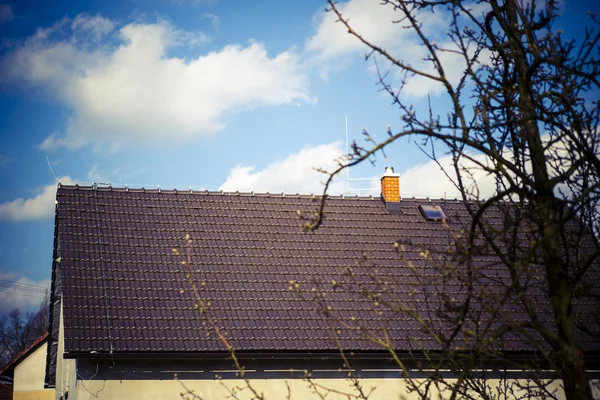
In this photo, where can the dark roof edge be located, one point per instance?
(55, 307)
(593, 358)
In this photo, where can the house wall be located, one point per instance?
(29, 376)
(155, 379)
(331, 389)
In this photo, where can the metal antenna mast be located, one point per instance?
(348, 180)
(347, 155)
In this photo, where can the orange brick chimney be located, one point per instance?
(390, 190)
(390, 186)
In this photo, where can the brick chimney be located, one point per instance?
(390, 189)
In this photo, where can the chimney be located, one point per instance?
(390, 189)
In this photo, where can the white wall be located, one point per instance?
(29, 376)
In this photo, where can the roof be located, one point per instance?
(23, 354)
(267, 285)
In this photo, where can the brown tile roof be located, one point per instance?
(123, 286)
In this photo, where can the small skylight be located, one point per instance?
(432, 213)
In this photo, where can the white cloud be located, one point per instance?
(294, 174)
(92, 28)
(366, 17)
(135, 91)
(51, 142)
(428, 179)
(6, 13)
(39, 206)
(95, 176)
(375, 23)
(214, 20)
(453, 63)
(22, 293)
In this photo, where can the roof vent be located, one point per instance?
(432, 213)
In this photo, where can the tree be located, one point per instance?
(17, 332)
(525, 111)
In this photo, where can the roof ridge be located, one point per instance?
(240, 194)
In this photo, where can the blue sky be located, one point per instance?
(212, 94)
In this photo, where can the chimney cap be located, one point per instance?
(389, 171)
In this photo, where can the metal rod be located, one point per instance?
(347, 152)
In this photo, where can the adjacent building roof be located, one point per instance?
(268, 285)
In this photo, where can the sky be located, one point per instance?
(208, 94)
